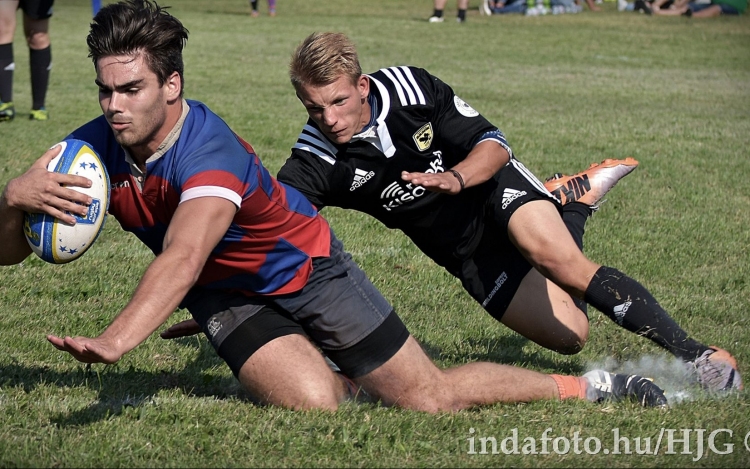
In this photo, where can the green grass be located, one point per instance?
(567, 91)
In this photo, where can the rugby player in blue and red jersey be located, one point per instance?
(251, 259)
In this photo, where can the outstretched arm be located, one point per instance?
(484, 160)
(196, 228)
(37, 191)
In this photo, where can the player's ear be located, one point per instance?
(363, 85)
(174, 86)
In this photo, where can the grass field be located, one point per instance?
(567, 90)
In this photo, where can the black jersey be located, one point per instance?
(420, 126)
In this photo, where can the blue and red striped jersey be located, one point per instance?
(268, 248)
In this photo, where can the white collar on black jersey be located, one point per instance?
(376, 132)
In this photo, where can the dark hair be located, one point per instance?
(139, 27)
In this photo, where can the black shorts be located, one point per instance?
(495, 270)
(37, 9)
(339, 310)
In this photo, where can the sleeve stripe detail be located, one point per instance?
(318, 135)
(315, 151)
(211, 191)
(417, 89)
(409, 92)
(397, 72)
(498, 137)
(399, 89)
(313, 141)
(499, 141)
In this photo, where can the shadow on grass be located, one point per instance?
(507, 350)
(119, 388)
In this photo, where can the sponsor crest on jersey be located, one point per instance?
(464, 108)
(423, 137)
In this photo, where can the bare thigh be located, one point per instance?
(541, 236)
(7, 20)
(411, 380)
(290, 372)
(542, 312)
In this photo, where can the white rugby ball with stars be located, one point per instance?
(55, 241)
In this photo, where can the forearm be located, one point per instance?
(15, 248)
(194, 231)
(158, 294)
(483, 162)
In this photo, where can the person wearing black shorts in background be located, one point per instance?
(36, 15)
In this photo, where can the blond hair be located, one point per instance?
(323, 58)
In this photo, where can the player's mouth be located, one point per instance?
(336, 133)
(119, 126)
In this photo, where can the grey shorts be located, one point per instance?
(496, 268)
(338, 309)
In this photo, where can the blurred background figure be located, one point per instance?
(254, 8)
(700, 9)
(503, 7)
(439, 6)
(36, 14)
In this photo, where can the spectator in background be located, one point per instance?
(699, 9)
(437, 14)
(36, 14)
(271, 8)
(502, 7)
(535, 7)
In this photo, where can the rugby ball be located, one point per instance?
(55, 241)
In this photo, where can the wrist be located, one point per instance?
(459, 177)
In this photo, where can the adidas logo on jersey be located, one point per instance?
(360, 177)
(620, 311)
(509, 195)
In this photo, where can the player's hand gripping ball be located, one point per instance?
(55, 241)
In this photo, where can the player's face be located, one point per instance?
(339, 109)
(135, 105)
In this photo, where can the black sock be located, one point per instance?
(41, 62)
(6, 72)
(631, 306)
(437, 13)
(254, 4)
(462, 15)
(574, 216)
